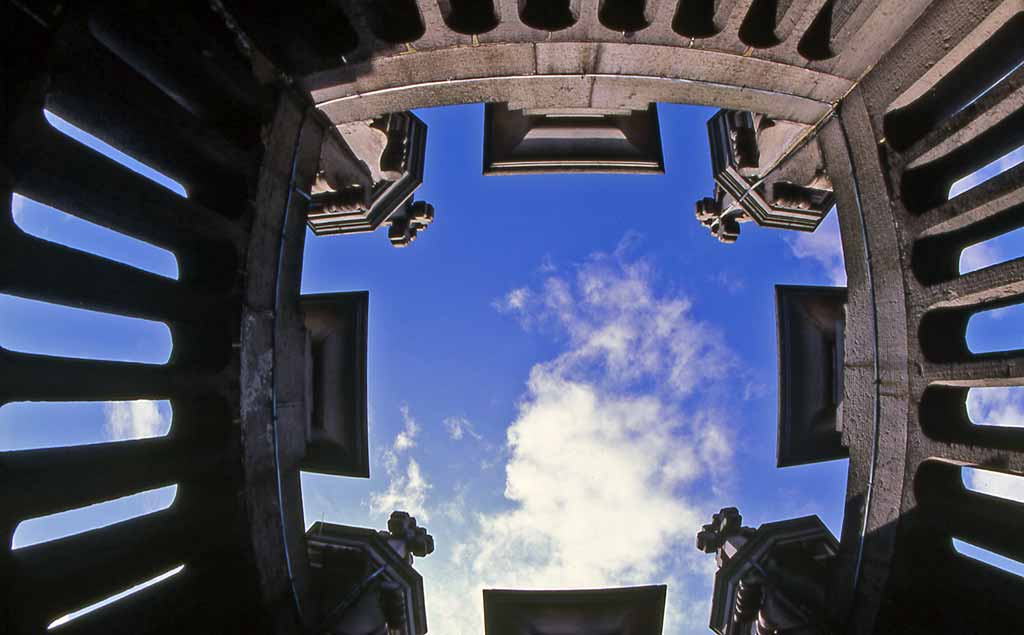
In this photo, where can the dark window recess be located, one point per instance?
(471, 17)
(760, 28)
(623, 15)
(549, 15)
(316, 410)
(973, 77)
(927, 186)
(696, 18)
(300, 37)
(396, 21)
(816, 44)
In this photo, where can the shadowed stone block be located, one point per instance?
(810, 330)
(571, 140)
(623, 611)
(336, 326)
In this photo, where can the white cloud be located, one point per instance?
(406, 439)
(548, 265)
(607, 470)
(512, 302)
(824, 246)
(407, 487)
(407, 490)
(135, 420)
(455, 508)
(997, 484)
(459, 427)
(997, 407)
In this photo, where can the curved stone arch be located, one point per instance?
(578, 75)
(243, 145)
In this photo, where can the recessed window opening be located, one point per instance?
(816, 43)
(471, 17)
(31, 326)
(760, 26)
(60, 621)
(997, 484)
(75, 521)
(36, 425)
(549, 15)
(695, 18)
(113, 153)
(398, 21)
(993, 85)
(988, 557)
(69, 230)
(996, 330)
(993, 251)
(960, 78)
(623, 15)
(997, 167)
(1000, 406)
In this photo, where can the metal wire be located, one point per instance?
(877, 380)
(273, 364)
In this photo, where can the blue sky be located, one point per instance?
(567, 374)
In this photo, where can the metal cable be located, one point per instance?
(273, 363)
(877, 380)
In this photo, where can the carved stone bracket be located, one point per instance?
(369, 171)
(766, 170)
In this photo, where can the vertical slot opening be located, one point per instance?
(113, 153)
(760, 27)
(624, 16)
(991, 558)
(48, 223)
(470, 17)
(31, 326)
(1007, 486)
(816, 43)
(35, 425)
(992, 252)
(696, 18)
(997, 406)
(996, 330)
(397, 21)
(35, 531)
(64, 619)
(549, 15)
(992, 170)
(954, 83)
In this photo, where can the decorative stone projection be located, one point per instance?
(368, 173)
(636, 610)
(362, 581)
(766, 170)
(415, 217)
(560, 140)
(904, 98)
(771, 579)
(811, 323)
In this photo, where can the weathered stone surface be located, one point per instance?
(888, 85)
